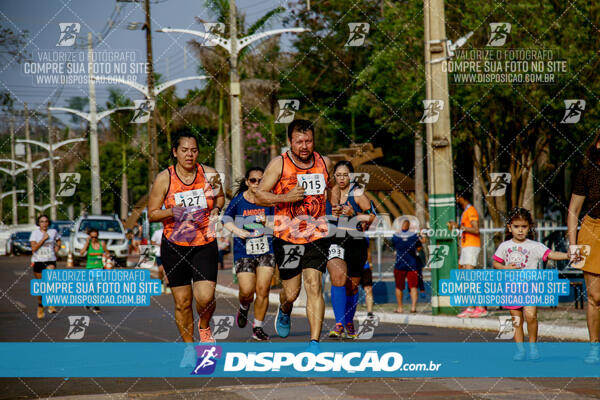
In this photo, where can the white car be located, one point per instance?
(110, 230)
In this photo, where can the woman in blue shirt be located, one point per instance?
(253, 257)
(407, 245)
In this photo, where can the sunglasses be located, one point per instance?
(254, 180)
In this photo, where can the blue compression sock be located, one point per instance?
(338, 302)
(351, 303)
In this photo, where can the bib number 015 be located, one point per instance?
(313, 184)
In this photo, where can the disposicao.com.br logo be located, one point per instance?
(364, 362)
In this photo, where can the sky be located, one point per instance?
(41, 18)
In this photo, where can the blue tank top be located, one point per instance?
(352, 203)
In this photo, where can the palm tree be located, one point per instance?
(258, 89)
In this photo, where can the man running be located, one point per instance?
(188, 248)
(296, 184)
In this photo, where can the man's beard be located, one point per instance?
(303, 159)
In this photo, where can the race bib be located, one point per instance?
(336, 251)
(191, 198)
(44, 252)
(256, 246)
(313, 184)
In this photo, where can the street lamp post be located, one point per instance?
(234, 45)
(93, 118)
(50, 147)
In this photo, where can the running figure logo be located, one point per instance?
(214, 29)
(358, 33)
(207, 359)
(573, 110)
(77, 326)
(358, 182)
(499, 181)
(68, 33)
(222, 325)
(366, 327)
(437, 255)
(431, 111)
(292, 256)
(499, 33)
(579, 253)
(143, 108)
(215, 180)
(287, 110)
(507, 327)
(68, 183)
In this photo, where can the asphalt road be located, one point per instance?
(155, 324)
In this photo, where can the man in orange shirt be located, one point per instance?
(470, 246)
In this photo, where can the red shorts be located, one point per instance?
(411, 276)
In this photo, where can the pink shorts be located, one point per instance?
(512, 307)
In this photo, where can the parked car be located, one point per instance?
(110, 230)
(64, 229)
(19, 243)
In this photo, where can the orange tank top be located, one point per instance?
(198, 199)
(304, 221)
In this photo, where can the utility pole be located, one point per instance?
(94, 155)
(30, 188)
(152, 141)
(15, 216)
(439, 152)
(51, 167)
(238, 167)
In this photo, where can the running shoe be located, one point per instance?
(282, 323)
(350, 331)
(593, 356)
(259, 334)
(338, 331)
(40, 312)
(313, 347)
(533, 353)
(206, 335)
(189, 357)
(242, 317)
(467, 313)
(52, 309)
(519, 355)
(479, 312)
(370, 315)
(96, 310)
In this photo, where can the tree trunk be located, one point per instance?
(419, 179)
(124, 189)
(477, 192)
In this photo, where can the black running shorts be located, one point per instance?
(292, 258)
(186, 264)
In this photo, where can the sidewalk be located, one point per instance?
(562, 323)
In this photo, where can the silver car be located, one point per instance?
(110, 230)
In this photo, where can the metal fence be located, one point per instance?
(547, 232)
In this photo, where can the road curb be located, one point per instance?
(441, 321)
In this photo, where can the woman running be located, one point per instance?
(188, 248)
(348, 250)
(44, 245)
(253, 257)
(95, 249)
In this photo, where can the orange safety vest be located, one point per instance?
(194, 229)
(303, 221)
